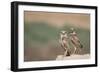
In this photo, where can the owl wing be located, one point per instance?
(76, 42)
(63, 44)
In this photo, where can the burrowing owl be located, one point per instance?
(75, 41)
(64, 42)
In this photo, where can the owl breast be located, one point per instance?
(64, 39)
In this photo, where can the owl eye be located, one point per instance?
(63, 32)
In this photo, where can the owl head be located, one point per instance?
(63, 32)
(72, 29)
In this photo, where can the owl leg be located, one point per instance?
(65, 53)
(74, 50)
(80, 50)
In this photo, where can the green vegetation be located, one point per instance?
(40, 33)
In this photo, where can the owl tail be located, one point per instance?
(81, 46)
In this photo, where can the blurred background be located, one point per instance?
(41, 33)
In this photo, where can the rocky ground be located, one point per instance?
(75, 56)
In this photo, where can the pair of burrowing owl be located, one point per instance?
(64, 41)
